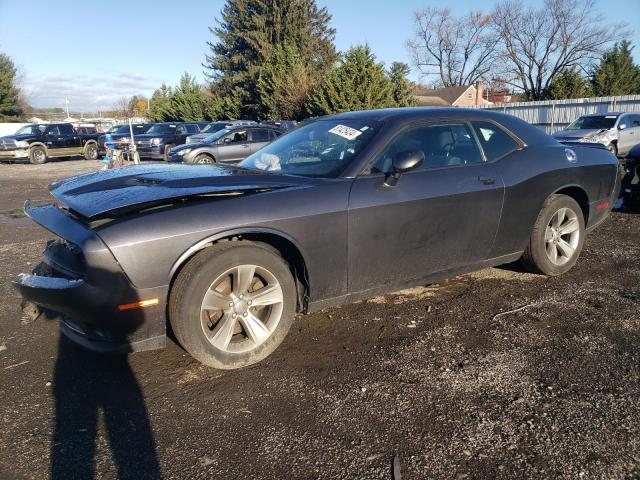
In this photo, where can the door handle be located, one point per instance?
(486, 180)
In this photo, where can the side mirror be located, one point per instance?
(404, 162)
(622, 126)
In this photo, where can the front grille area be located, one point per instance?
(143, 143)
(8, 145)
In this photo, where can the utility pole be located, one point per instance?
(66, 103)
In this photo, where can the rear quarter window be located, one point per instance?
(495, 142)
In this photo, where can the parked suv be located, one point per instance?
(39, 142)
(119, 132)
(161, 137)
(227, 145)
(213, 127)
(618, 131)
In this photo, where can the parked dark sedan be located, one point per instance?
(342, 208)
(230, 144)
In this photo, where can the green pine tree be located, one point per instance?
(187, 101)
(10, 109)
(358, 83)
(402, 89)
(617, 74)
(248, 33)
(284, 84)
(569, 84)
(161, 109)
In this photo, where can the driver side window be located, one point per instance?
(236, 137)
(443, 145)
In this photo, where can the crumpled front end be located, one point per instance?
(80, 283)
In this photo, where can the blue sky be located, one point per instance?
(96, 52)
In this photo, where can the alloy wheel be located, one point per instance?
(562, 236)
(241, 308)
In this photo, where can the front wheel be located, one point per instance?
(233, 304)
(38, 155)
(613, 148)
(165, 154)
(203, 158)
(557, 237)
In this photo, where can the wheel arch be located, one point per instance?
(39, 144)
(579, 195)
(283, 243)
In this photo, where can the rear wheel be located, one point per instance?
(91, 152)
(38, 155)
(233, 304)
(557, 237)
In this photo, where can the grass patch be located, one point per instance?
(15, 213)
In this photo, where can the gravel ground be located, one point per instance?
(438, 377)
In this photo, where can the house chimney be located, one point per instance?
(479, 92)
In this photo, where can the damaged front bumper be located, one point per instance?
(81, 283)
(19, 153)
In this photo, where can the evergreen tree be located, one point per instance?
(616, 74)
(358, 83)
(161, 109)
(247, 35)
(569, 84)
(402, 89)
(224, 107)
(9, 94)
(284, 84)
(187, 101)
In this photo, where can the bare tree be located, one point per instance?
(122, 106)
(539, 44)
(457, 50)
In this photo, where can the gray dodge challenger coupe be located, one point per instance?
(342, 208)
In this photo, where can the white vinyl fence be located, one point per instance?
(554, 115)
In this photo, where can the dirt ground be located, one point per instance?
(445, 378)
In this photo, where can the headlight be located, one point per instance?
(183, 152)
(22, 144)
(188, 140)
(156, 141)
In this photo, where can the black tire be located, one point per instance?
(38, 155)
(165, 154)
(203, 158)
(91, 151)
(613, 148)
(195, 279)
(535, 257)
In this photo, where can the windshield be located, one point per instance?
(161, 128)
(216, 136)
(214, 127)
(31, 130)
(593, 123)
(119, 129)
(322, 148)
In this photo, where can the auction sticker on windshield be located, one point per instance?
(345, 132)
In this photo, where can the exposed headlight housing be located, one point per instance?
(22, 144)
(183, 152)
(603, 137)
(156, 141)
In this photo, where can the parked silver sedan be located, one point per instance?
(231, 144)
(618, 131)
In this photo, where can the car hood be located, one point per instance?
(118, 191)
(18, 138)
(188, 145)
(576, 133)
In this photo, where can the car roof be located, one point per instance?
(603, 114)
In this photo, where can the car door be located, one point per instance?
(234, 146)
(441, 216)
(54, 141)
(632, 131)
(259, 138)
(70, 139)
(180, 134)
